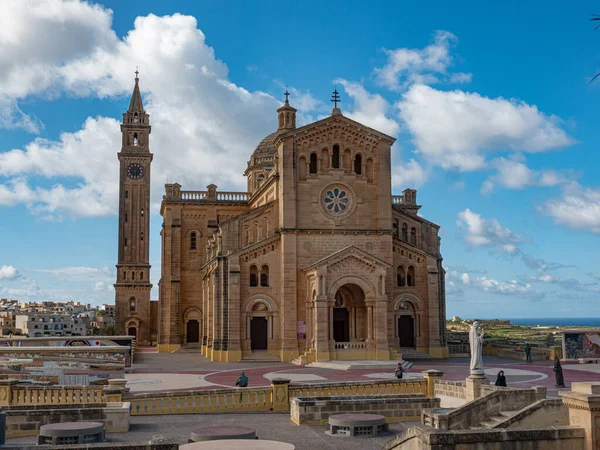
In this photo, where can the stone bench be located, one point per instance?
(396, 407)
(358, 425)
(222, 432)
(71, 433)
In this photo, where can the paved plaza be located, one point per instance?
(181, 371)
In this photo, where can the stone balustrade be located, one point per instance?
(397, 199)
(219, 197)
(259, 399)
(341, 346)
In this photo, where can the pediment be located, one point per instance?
(339, 127)
(350, 257)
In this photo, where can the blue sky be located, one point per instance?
(492, 107)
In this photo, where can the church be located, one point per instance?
(315, 261)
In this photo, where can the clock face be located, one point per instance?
(135, 171)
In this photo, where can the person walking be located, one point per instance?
(501, 379)
(528, 352)
(558, 373)
(400, 371)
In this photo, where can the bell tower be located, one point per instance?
(132, 289)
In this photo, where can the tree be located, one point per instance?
(108, 330)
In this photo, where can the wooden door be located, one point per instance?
(193, 331)
(406, 331)
(258, 333)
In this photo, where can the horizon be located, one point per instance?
(499, 144)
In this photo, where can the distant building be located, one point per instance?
(40, 324)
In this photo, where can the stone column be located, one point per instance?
(321, 329)
(6, 391)
(583, 401)
(430, 376)
(474, 383)
(281, 401)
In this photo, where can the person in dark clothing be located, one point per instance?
(501, 380)
(558, 373)
(242, 381)
(400, 371)
(528, 352)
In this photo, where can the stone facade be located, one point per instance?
(317, 260)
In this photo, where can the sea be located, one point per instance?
(557, 321)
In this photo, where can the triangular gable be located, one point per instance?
(346, 253)
(336, 118)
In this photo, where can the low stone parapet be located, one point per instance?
(317, 410)
(27, 420)
(455, 389)
(551, 438)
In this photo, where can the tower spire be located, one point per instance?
(135, 104)
(286, 114)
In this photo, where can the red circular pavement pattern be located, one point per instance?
(453, 371)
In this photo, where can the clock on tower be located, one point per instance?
(132, 289)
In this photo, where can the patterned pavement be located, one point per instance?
(174, 372)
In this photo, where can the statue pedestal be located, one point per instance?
(474, 383)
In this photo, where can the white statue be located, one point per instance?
(476, 342)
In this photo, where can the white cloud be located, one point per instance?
(405, 66)
(456, 129)
(8, 273)
(513, 174)
(204, 126)
(570, 284)
(78, 273)
(369, 109)
(578, 208)
(486, 232)
(462, 280)
(409, 174)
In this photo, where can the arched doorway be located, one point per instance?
(193, 332)
(406, 324)
(132, 331)
(349, 321)
(259, 329)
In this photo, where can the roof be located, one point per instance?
(267, 145)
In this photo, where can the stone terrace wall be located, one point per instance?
(316, 410)
(151, 445)
(27, 420)
(454, 389)
(472, 413)
(423, 438)
(543, 413)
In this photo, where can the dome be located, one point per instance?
(267, 145)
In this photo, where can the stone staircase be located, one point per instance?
(306, 358)
(412, 354)
(493, 421)
(260, 356)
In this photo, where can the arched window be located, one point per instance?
(302, 169)
(324, 160)
(135, 118)
(370, 170)
(125, 275)
(401, 277)
(125, 218)
(135, 139)
(405, 232)
(280, 120)
(253, 276)
(142, 212)
(132, 304)
(126, 194)
(313, 163)
(125, 242)
(141, 235)
(141, 275)
(259, 179)
(410, 277)
(358, 165)
(396, 230)
(264, 276)
(335, 160)
(413, 236)
(193, 242)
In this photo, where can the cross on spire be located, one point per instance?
(287, 94)
(335, 98)
(136, 72)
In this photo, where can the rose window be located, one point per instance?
(336, 200)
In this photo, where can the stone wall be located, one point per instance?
(543, 413)
(472, 413)
(454, 389)
(27, 420)
(151, 445)
(554, 438)
(316, 410)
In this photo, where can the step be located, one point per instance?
(508, 414)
